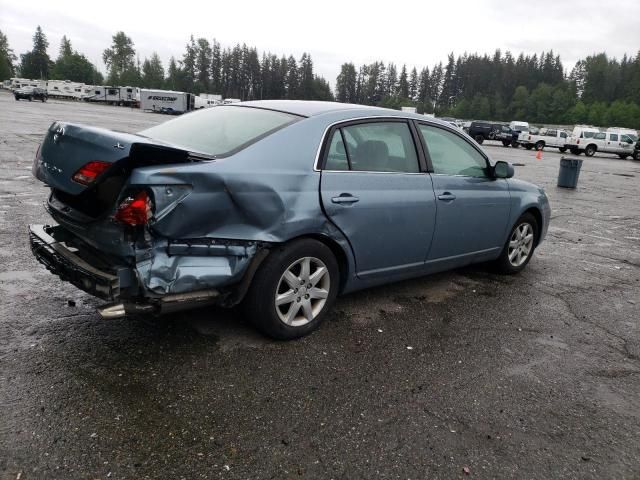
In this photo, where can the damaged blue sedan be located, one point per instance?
(277, 206)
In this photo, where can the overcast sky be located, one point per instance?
(419, 33)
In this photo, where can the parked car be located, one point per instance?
(546, 137)
(31, 93)
(275, 205)
(612, 141)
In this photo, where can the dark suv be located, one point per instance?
(31, 93)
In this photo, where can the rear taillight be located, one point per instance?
(578, 142)
(529, 137)
(135, 209)
(89, 172)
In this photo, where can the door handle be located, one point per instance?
(345, 198)
(447, 197)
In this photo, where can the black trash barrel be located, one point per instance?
(569, 172)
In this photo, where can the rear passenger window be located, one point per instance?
(373, 147)
(451, 154)
(337, 155)
(613, 137)
(563, 134)
(599, 136)
(552, 133)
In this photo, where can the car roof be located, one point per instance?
(313, 108)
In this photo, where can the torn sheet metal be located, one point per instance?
(164, 274)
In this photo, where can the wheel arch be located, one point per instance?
(537, 214)
(337, 250)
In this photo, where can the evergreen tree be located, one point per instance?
(153, 72)
(346, 84)
(7, 58)
(36, 63)
(120, 60)
(74, 66)
(403, 83)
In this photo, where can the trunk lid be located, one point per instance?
(68, 147)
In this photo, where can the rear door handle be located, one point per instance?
(447, 197)
(345, 198)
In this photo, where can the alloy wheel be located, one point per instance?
(520, 244)
(302, 291)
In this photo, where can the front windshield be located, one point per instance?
(220, 131)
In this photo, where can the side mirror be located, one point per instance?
(503, 170)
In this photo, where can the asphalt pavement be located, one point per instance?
(461, 374)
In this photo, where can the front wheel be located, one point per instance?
(540, 145)
(520, 245)
(505, 143)
(562, 149)
(515, 144)
(293, 289)
(479, 139)
(528, 146)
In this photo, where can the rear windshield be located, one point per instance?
(220, 131)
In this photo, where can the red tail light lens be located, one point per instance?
(89, 172)
(135, 210)
(578, 141)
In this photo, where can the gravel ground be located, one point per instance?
(530, 376)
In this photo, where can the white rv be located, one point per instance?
(166, 101)
(65, 89)
(15, 83)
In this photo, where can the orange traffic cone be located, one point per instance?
(539, 155)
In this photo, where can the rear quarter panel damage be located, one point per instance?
(265, 194)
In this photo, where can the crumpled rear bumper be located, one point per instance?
(62, 261)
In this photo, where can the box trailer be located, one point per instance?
(166, 101)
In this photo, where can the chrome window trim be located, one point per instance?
(371, 117)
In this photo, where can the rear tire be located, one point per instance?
(528, 146)
(562, 149)
(623, 157)
(514, 144)
(520, 245)
(590, 150)
(293, 289)
(575, 151)
(505, 143)
(479, 139)
(540, 145)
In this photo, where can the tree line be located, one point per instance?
(599, 90)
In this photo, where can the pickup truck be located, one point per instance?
(545, 137)
(620, 143)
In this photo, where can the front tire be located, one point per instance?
(293, 290)
(540, 145)
(505, 143)
(520, 245)
(562, 149)
(515, 144)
